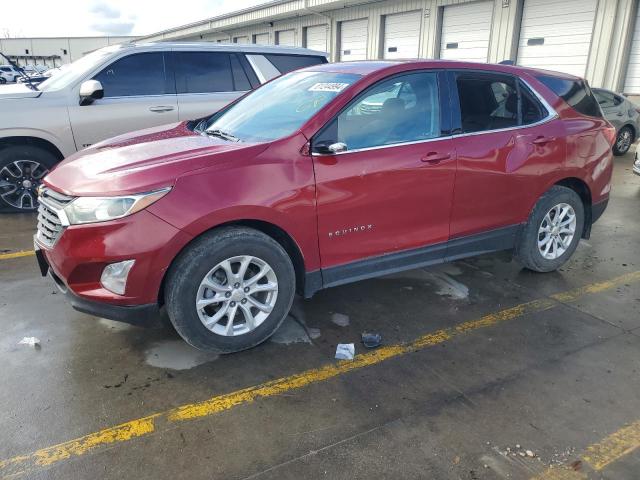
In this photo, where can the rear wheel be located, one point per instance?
(553, 230)
(3, 80)
(22, 168)
(230, 290)
(624, 139)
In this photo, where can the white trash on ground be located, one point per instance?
(31, 341)
(345, 351)
(340, 319)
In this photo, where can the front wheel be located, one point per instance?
(624, 139)
(3, 80)
(553, 230)
(22, 168)
(230, 290)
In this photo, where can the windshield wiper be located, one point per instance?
(21, 71)
(224, 135)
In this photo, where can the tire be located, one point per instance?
(200, 263)
(624, 139)
(22, 167)
(528, 251)
(3, 80)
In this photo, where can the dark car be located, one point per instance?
(623, 115)
(296, 187)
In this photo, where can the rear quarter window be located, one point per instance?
(575, 92)
(288, 63)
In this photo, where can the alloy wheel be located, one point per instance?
(237, 295)
(556, 231)
(19, 181)
(623, 142)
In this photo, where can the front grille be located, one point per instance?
(49, 224)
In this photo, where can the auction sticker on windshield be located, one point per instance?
(328, 87)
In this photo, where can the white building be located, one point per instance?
(597, 39)
(53, 51)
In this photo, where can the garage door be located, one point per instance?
(286, 37)
(556, 34)
(317, 38)
(632, 81)
(261, 39)
(466, 30)
(353, 40)
(241, 40)
(402, 35)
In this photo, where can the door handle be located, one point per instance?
(434, 158)
(543, 140)
(161, 109)
(620, 114)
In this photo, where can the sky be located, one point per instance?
(68, 18)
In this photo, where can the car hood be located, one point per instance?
(142, 161)
(18, 90)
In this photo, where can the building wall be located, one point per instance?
(53, 51)
(608, 54)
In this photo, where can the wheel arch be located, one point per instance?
(32, 141)
(584, 192)
(272, 230)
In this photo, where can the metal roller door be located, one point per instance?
(466, 29)
(402, 35)
(556, 34)
(242, 39)
(632, 80)
(261, 39)
(286, 37)
(353, 40)
(317, 38)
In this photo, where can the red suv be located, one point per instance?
(324, 176)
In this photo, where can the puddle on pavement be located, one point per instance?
(114, 326)
(176, 355)
(291, 332)
(441, 276)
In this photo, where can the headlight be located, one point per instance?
(102, 209)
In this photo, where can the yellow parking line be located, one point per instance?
(25, 253)
(613, 447)
(599, 455)
(147, 425)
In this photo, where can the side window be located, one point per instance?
(532, 110)
(288, 63)
(137, 74)
(487, 102)
(575, 92)
(240, 80)
(202, 72)
(605, 99)
(403, 109)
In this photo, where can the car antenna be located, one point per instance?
(17, 67)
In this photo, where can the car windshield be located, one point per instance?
(280, 107)
(73, 71)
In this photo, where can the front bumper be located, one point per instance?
(81, 253)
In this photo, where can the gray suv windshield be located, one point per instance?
(280, 107)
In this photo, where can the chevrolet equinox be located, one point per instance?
(326, 175)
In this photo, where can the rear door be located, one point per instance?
(390, 190)
(507, 144)
(206, 81)
(138, 93)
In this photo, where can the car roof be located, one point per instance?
(211, 46)
(369, 66)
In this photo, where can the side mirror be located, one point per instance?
(89, 91)
(327, 148)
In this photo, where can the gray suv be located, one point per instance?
(122, 88)
(623, 115)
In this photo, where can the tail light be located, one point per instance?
(610, 134)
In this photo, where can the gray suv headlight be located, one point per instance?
(103, 209)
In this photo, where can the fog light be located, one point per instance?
(114, 276)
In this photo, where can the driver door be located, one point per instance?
(138, 93)
(389, 191)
